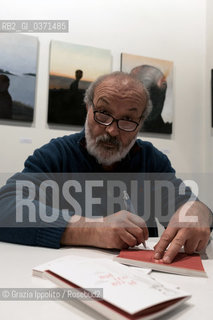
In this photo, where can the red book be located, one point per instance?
(183, 264)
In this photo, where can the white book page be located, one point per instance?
(124, 287)
(63, 260)
(46, 266)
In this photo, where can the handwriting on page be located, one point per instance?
(121, 280)
(115, 280)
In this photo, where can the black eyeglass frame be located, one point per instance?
(114, 119)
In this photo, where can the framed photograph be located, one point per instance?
(18, 67)
(157, 77)
(72, 68)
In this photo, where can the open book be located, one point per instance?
(127, 293)
(183, 264)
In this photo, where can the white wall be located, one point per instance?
(208, 141)
(165, 29)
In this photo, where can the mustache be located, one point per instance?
(108, 139)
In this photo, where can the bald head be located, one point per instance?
(121, 85)
(150, 76)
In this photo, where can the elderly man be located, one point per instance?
(117, 105)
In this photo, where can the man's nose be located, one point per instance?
(113, 129)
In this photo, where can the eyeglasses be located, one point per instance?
(106, 120)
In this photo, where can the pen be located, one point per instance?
(129, 207)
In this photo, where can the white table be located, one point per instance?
(16, 272)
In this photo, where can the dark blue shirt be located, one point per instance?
(68, 154)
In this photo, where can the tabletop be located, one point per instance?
(16, 266)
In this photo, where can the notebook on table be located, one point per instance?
(183, 264)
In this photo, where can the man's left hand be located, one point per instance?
(192, 235)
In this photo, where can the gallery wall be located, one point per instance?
(172, 30)
(208, 139)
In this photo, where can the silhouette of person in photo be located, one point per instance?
(74, 85)
(6, 103)
(66, 105)
(78, 108)
(155, 82)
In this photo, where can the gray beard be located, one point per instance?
(105, 156)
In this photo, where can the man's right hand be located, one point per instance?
(117, 231)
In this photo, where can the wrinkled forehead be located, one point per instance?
(120, 90)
